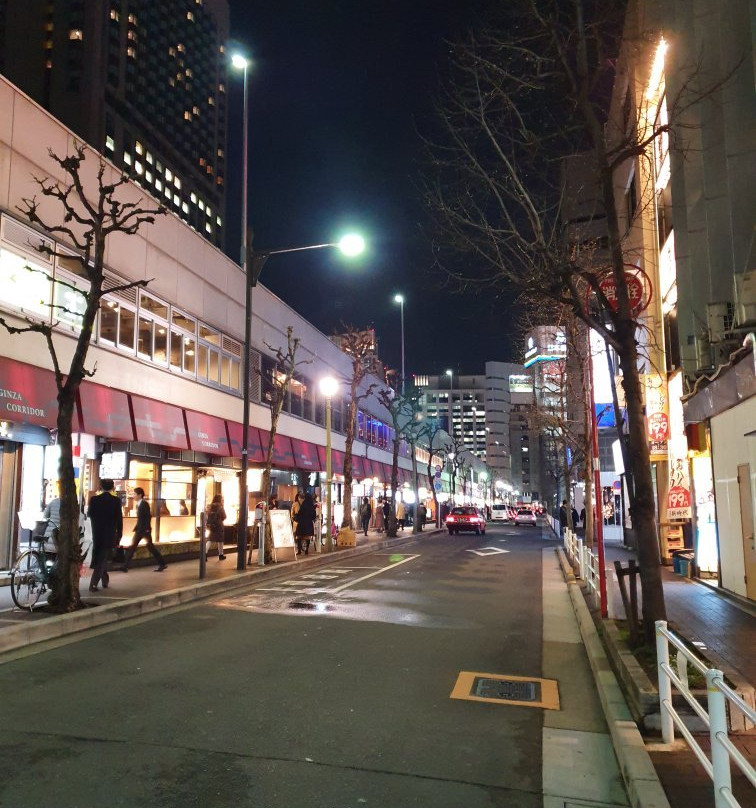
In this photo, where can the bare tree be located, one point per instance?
(429, 432)
(520, 99)
(359, 345)
(278, 386)
(91, 213)
(402, 409)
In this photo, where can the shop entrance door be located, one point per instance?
(746, 524)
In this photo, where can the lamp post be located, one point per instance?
(350, 245)
(328, 387)
(400, 300)
(239, 62)
(450, 374)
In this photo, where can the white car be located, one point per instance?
(525, 516)
(500, 513)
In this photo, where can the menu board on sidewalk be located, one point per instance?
(283, 535)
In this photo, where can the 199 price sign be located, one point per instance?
(678, 503)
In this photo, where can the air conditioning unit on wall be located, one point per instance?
(719, 320)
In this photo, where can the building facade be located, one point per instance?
(163, 410)
(141, 81)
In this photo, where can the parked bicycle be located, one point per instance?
(31, 574)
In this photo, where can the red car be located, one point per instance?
(465, 518)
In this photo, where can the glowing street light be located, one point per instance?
(350, 245)
(328, 387)
(400, 300)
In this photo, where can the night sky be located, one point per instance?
(339, 90)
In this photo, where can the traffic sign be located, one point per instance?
(437, 485)
(437, 475)
(438, 469)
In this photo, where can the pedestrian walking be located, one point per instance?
(305, 530)
(563, 515)
(379, 517)
(575, 518)
(582, 518)
(106, 519)
(422, 512)
(386, 512)
(216, 516)
(143, 530)
(400, 513)
(366, 511)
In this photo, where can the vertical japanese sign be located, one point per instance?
(678, 496)
(657, 415)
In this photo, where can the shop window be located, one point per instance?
(144, 339)
(213, 374)
(126, 328)
(295, 394)
(153, 305)
(189, 355)
(24, 285)
(202, 357)
(177, 339)
(160, 350)
(109, 321)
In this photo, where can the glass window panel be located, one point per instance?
(72, 265)
(144, 340)
(160, 353)
(190, 355)
(182, 321)
(154, 306)
(214, 372)
(176, 343)
(24, 285)
(127, 328)
(235, 374)
(202, 353)
(225, 371)
(109, 321)
(209, 335)
(69, 304)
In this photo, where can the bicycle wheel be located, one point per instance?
(27, 579)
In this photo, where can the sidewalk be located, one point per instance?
(143, 591)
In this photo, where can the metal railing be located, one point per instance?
(723, 751)
(584, 561)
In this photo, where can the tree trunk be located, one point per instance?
(391, 524)
(416, 487)
(65, 596)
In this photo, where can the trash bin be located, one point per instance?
(684, 562)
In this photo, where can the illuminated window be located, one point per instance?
(187, 115)
(132, 19)
(189, 73)
(76, 33)
(158, 185)
(220, 153)
(195, 110)
(49, 27)
(190, 16)
(24, 285)
(148, 157)
(109, 143)
(138, 167)
(131, 35)
(208, 211)
(148, 176)
(211, 101)
(130, 51)
(193, 197)
(168, 174)
(218, 221)
(201, 205)
(176, 199)
(177, 182)
(209, 228)
(127, 158)
(185, 207)
(221, 88)
(171, 51)
(138, 148)
(180, 48)
(114, 15)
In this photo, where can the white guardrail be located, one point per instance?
(723, 751)
(584, 562)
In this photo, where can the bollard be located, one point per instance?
(665, 684)
(203, 548)
(720, 758)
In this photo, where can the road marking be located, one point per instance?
(378, 572)
(491, 551)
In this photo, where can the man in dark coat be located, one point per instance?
(107, 528)
(305, 530)
(143, 530)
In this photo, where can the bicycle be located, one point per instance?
(30, 575)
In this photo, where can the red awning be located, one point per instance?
(337, 460)
(105, 412)
(207, 433)
(283, 456)
(358, 467)
(254, 444)
(159, 423)
(27, 394)
(305, 455)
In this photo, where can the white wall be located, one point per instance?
(730, 448)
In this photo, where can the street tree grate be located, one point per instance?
(506, 689)
(494, 688)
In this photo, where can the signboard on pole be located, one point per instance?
(437, 486)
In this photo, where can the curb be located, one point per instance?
(644, 790)
(24, 635)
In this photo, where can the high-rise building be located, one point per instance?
(141, 81)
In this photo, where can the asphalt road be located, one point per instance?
(329, 688)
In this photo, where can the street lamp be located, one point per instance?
(400, 300)
(350, 245)
(328, 387)
(450, 374)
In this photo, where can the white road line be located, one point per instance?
(365, 577)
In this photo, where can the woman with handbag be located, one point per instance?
(216, 516)
(305, 524)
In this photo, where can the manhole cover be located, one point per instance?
(506, 689)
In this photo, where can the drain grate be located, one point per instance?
(506, 689)
(493, 688)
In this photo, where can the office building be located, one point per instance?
(141, 81)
